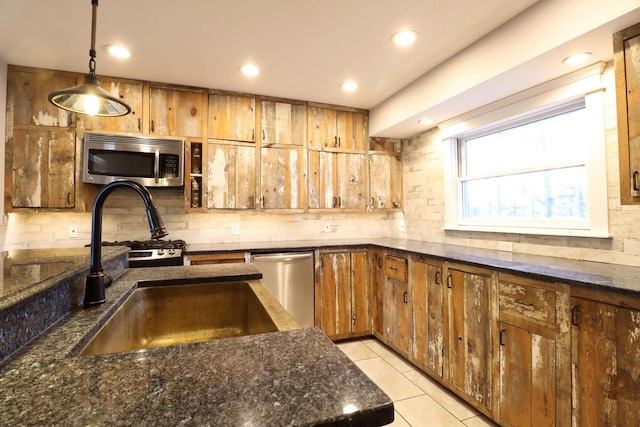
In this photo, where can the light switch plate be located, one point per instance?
(73, 231)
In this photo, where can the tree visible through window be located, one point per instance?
(531, 163)
(532, 170)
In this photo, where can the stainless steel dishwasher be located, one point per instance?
(289, 278)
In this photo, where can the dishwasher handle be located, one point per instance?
(282, 257)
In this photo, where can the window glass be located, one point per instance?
(536, 170)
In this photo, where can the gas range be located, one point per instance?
(153, 253)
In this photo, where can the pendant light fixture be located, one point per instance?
(89, 98)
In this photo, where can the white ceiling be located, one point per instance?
(304, 49)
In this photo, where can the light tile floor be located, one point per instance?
(418, 400)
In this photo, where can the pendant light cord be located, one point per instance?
(92, 51)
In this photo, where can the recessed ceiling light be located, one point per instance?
(118, 51)
(578, 58)
(249, 70)
(425, 121)
(404, 37)
(349, 86)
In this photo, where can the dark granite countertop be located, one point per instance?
(596, 275)
(292, 377)
(26, 271)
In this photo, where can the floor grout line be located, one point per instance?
(413, 369)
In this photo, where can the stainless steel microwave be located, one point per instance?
(152, 162)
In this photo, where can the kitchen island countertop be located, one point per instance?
(291, 377)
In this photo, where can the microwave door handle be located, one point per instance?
(156, 169)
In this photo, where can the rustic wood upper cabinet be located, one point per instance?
(41, 163)
(131, 92)
(330, 129)
(337, 180)
(626, 57)
(397, 304)
(282, 178)
(230, 176)
(605, 352)
(428, 315)
(281, 123)
(535, 343)
(232, 117)
(176, 112)
(343, 293)
(27, 97)
(385, 181)
(471, 322)
(283, 163)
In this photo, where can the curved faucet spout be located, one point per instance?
(97, 280)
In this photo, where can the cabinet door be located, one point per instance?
(527, 378)
(534, 352)
(130, 91)
(321, 128)
(282, 178)
(352, 181)
(175, 112)
(351, 130)
(281, 123)
(329, 128)
(323, 182)
(385, 181)
(402, 300)
(360, 294)
(43, 167)
(377, 289)
(397, 304)
(626, 45)
(605, 353)
(230, 176)
(27, 96)
(232, 117)
(335, 294)
(428, 305)
(469, 330)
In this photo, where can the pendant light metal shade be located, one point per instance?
(89, 98)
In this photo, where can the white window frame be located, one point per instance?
(566, 93)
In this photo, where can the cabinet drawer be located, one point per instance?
(523, 304)
(395, 268)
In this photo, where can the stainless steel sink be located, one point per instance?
(159, 316)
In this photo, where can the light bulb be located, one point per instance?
(91, 104)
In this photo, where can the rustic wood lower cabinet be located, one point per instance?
(343, 293)
(522, 351)
(605, 361)
(535, 381)
(471, 323)
(396, 318)
(428, 315)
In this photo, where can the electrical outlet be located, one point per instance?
(327, 227)
(73, 231)
(235, 228)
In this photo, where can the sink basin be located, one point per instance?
(159, 316)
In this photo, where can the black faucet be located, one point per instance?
(98, 280)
